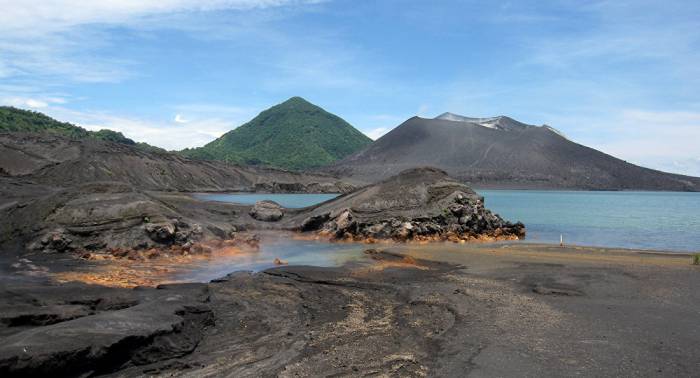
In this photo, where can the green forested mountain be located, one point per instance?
(19, 120)
(294, 135)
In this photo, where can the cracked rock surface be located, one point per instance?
(416, 204)
(391, 315)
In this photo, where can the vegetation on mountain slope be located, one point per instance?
(293, 135)
(19, 120)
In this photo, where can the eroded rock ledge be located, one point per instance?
(116, 219)
(93, 330)
(418, 204)
(291, 313)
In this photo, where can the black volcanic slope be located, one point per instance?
(59, 161)
(500, 152)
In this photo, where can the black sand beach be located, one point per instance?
(442, 309)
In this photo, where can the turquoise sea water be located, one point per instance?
(641, 220)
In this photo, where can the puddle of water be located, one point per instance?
(292, 251)
(286, 247)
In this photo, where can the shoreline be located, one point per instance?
(129, 273)
(675, 244)
(406, 309)
(600, 249)
(545, 252)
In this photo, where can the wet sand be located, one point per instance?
(600, 312)
(548, 253)
(477, 310)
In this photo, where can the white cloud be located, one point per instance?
(180, 119)
(664, 140)
(621, 36)
(30, 102)
(169, 135)
(207, 109)
(58, 38)
(36, 103)
(377, 133)
(317, 63)
(685, 166)
(423, 110)
(38, 54)
(32, 17)
(376, 125)
(48, 45)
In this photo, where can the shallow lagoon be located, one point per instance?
(640, 220)
(284, 247)
(290, 201)
(636, 220)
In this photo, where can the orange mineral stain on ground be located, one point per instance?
(416, 239)
(124, 272)
(406, 262)
(386, 261)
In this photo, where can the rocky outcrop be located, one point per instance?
(418, 204)
(267, 211)
(56, 241)
(395, 315)
(186, 328)
(109, 216)
(114, 219)
(314, 222)
(174, 232)
(81, 339)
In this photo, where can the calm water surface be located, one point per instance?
(641, 220)
(290, 201)
(292, 251)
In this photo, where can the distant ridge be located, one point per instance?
(14, 120)
(500, 152)
(295, 134)
(50, 161)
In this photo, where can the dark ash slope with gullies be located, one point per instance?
(60, 161)
(500, 152)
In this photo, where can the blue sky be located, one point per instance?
(620, 76)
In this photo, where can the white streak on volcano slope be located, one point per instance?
(490, 122)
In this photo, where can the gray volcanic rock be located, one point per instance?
(214, 329)
(509, 310)
(58, 161)
(168, 325)
(116, 218)
(267, 211)
(497, 123)
(421, 203)
(102, 216)
(502, 153)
